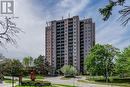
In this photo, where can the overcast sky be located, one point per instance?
(33, 15)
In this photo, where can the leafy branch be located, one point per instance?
(106, 12)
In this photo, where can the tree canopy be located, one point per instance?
(12, 67)
(39, 64)
(28, 62)
(100, 60)
(123, 63)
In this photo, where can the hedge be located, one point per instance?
(35, 83)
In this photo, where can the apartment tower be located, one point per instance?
(68, 41)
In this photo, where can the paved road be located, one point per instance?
(57, 80)
(7, 84)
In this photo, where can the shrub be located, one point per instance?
(69, 71)
(35, 83)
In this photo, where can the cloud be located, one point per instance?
(31, 43)
(32, 20)
(113, 33)
(65, 7)
(33, 15)
(73, 6)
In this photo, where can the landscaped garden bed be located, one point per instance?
(53, 85)
(35, 83)
(38, 77)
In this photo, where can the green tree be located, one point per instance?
(12, 67)
(39, 64)
(42, 66)
(123, 63)
(109, 62)
(107, 10)
(2, 61)
(69, 71)
(28, 62)
(49, 70)
(100, 60)
(16, 67)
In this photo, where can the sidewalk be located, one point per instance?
(57, 80)
(7, 84)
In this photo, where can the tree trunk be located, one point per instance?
(12, 81)
(106, 77)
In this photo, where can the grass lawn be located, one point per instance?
(54, 85)
(9, 81)
(115, 81)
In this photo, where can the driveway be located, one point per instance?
(57, 80)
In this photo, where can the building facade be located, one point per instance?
(68, 41)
